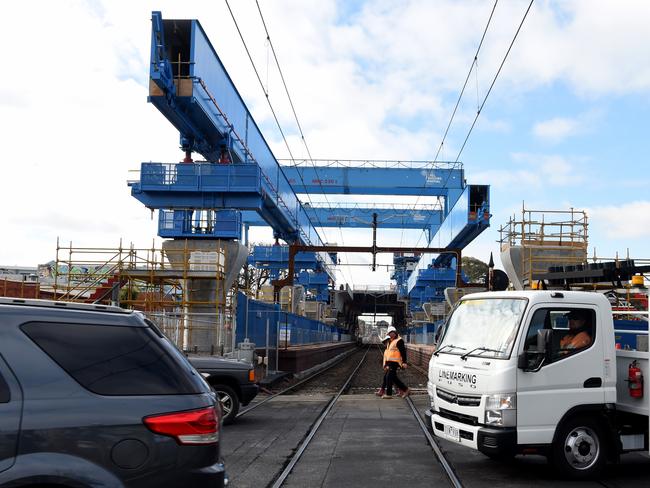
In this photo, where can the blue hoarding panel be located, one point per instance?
(258, 321)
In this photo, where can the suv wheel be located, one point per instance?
(229, 402)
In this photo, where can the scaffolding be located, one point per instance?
(543, 239)
(160, 282)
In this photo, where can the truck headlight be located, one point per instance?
(501, 410)
(432, 395)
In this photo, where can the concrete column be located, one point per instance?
(203, 319)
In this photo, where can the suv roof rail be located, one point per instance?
(34, 302)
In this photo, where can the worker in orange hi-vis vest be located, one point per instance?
(394, 358)
(579, 335)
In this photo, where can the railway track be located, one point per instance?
(294, 386)
(312, 431)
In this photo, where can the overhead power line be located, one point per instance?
(266, 94)
(453, 114)
(496, 76)
(480, 109)
(295, 115)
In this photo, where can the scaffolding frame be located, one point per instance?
(561, 241)
(144, 279)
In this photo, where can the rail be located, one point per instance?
(449, 470)
(314, 428)
(282, 476)
(343, 357)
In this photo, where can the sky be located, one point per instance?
(564, 126)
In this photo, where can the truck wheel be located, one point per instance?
(579, 451)
(229, 402)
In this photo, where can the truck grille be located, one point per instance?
(458, 417)
(463, 400)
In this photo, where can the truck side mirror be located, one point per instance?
(544, 341)
(533, 360)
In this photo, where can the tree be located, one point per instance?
(475, 269)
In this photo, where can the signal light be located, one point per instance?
(190, 427)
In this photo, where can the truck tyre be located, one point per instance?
(229, 402)
(579, 449)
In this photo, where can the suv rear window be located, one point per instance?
(113, 360)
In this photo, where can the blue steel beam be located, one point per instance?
(361, 217)
(375, 181)
(211, 115)
(387, 218)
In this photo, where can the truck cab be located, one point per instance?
(509, 377)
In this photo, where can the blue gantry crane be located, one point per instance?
(240, 183)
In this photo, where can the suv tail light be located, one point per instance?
(251, 375)
(193, 427)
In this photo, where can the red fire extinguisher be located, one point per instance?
(635, 380)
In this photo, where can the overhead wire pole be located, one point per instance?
(480, 108)
(295, 115)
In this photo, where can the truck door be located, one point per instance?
(10, 414)
(571, 375)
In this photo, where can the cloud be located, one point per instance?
(551, 169)
(626, 221)
(503, 179)
(557, 129)
(594, 47)
(531, 172)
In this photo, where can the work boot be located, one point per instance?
(387, 397)
(405, 393)
(380, 392)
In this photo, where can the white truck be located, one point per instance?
(503, 381)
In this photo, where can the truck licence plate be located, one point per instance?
(452, 433)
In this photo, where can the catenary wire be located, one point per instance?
(480, 109)
(295, 115)
(266, 94)
(453, 114)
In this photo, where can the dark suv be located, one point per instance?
(96, 396)
(233, 381)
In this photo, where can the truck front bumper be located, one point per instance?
(488, 440)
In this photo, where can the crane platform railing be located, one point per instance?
(370, 163)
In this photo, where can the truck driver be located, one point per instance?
(579, 335)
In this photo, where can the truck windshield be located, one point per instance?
(484, 327)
